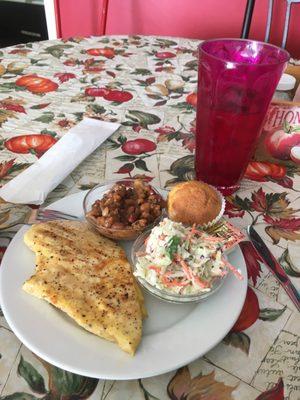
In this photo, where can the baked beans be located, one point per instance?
(128, 207)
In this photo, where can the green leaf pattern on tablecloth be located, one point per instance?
(270, 314)
(20, 396)
(288, 265)
(239, 340)
(34, 380)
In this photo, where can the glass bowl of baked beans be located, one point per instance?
(122, 209)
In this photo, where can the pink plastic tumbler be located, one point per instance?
(236, 81)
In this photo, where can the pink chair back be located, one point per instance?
(187, 18)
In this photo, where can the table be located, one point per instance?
(148, 84)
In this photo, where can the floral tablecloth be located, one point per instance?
(148, 85)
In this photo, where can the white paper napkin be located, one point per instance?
(33, 185)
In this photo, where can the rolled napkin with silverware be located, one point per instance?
(34, 184)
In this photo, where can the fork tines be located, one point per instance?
(39, 215)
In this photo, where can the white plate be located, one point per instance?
(174, 335)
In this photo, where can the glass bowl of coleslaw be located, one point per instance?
(178, 263)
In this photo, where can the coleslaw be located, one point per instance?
(182, 260)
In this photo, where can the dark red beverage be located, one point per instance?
(229, 139)
(236, 82)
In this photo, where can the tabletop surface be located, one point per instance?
(147, 84)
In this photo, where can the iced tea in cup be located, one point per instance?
(236, 81)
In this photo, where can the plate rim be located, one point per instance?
(84, 372)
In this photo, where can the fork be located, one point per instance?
(41, 214)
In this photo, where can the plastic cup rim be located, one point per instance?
(200, 48)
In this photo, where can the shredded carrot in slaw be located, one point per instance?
(166, 281)
(166, 277)
(155, 268)
(186, 269)
(189, 273)
(200, 282)
(235, 271)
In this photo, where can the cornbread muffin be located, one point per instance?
(193, 202)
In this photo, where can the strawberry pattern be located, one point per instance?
(148, 84)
